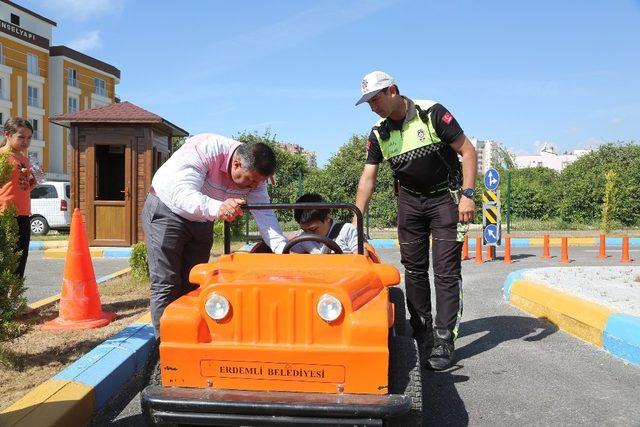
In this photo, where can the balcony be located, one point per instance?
(72, 82)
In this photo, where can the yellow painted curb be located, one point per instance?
(43, 303)
(145, 318)
(582, 318)
(50, 244)
(557, 241)
(53, 403)
(117, 274)
(62, 253)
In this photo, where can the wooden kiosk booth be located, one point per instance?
(115, 152)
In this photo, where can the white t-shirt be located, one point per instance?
(347, 239)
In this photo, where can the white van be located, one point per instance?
(50, 206)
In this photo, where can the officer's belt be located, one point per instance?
(431, 193)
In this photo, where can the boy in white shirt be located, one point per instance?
(318, 221)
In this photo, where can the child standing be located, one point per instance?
(318, 221)
(17, 192)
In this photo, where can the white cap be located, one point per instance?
(373, 83)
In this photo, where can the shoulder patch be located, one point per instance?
(447, 118)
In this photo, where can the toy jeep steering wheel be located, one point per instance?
(312, 238)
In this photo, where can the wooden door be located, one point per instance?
(109, 184)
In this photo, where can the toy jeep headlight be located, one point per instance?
(217, 306)
(329, 308)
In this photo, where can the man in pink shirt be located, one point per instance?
(209, 178)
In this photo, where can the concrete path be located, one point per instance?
(512, 369)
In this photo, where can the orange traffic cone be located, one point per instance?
(80, 306)
(479, 250)
(603, 247)
(565, 250)
(465, 248)
(625, 250)
(545, 249)
(507, 250)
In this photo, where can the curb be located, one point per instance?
(40, 245)
(523, 242)
(61, 252)
(74, 395)
(616, 333)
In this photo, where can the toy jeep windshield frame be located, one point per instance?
(307, 206)
(250, 345)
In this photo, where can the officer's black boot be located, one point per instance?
(442, 354)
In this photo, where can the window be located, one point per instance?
(2, 89)
(99, 87)
(32, 96)
(1, 54)
(36, 130)
(44, 192)
(15, 19)
(72, 104)
(32, 64)
(110, 172)
(67, 190)
(72, 77)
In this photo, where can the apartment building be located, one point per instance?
(488, 152)
(38, 80)
(548, 158)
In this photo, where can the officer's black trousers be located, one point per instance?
(419, 217)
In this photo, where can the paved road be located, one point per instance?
(511, 369)
(43, 277)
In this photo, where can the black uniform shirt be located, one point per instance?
(422, 169)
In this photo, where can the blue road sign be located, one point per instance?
(491, 179)
(490, 234)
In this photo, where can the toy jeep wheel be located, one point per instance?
(396, 296)
(405, 377)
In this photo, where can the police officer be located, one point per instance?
(422, 140)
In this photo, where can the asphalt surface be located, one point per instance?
(511, 369)
(43, 276)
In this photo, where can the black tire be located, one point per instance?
(39, 225)
(396, 296)
(405, 377)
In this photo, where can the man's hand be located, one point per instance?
(466, 210)
(231, 209)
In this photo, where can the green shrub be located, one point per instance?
(138, 262)
(12, 300)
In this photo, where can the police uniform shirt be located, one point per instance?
(421, 169)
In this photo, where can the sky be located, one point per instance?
(520, 73)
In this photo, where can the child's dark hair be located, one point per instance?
(302, 216)
(12, 125)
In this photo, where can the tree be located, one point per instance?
(533, 192)
(290, 166)
(338, 182)
(609, 202)
(581, 185)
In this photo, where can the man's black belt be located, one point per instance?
(431, 193)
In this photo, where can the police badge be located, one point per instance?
(420, 135)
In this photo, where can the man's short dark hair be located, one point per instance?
(257, 157)
(303, 216)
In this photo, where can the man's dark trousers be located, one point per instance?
(174, 246)
(420, 216)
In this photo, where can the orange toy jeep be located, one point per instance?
(288, 339)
